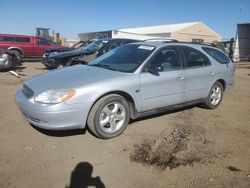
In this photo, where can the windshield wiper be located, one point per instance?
(102, 66)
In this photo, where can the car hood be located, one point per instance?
(59, 49)
(71, 54)
(71, 78)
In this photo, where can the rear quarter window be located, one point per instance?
(7, 39)
(217, 55)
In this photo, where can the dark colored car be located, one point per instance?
(85, 54)
(76, 46)
(9, 59)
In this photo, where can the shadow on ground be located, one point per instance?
(17, 69)
(60, 133)
(81, 177)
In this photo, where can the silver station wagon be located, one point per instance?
(128, 82)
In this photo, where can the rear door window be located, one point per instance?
(217, 55)
(22, 39)
(195, 58)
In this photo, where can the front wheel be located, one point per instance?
(18, 57)
(109, 116)
(69, 63)
(215, 96)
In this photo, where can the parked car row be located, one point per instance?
(84, 54)
(54, 55)
(76, 46)
(134, 80)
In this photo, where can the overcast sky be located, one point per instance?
(70, 17)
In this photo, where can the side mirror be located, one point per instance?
(159, 68)
(155, 69)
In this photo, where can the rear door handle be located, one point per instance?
(180, 77)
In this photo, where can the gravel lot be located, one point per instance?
(192, 147)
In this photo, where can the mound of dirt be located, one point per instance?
(180, 144)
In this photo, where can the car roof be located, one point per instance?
(112, 39)
(14, 35)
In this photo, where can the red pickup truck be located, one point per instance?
(27, 46)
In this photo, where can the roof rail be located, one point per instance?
(169, 40)
(205, 43)
(201, 43)
(160, 40)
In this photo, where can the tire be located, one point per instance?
(109, 116)
(69, 63)
(215, 96)
(59, 66)
(18, 55)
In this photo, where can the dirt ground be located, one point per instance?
(192, 147)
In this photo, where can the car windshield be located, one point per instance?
(124, 59)
(49, 41)
(81, 45)
(94, 46)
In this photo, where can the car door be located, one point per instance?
(26, 44)
(199, 73)
(162, 80)
(40, 46)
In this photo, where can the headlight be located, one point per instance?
(55, 96)
(4, 57)
(52, 53)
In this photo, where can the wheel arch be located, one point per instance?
(16, 49)
(223, 83)
(124, 94)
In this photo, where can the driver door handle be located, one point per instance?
(212, 73)
(180, 77)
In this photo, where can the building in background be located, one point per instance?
(242, 42)
(70, 42)
(186, 32)
(95, 35)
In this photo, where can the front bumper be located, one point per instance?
(60, 116)
(50, 63)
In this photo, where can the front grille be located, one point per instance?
(27, 91)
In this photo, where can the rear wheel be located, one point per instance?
(109, 116)
(215, 96)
